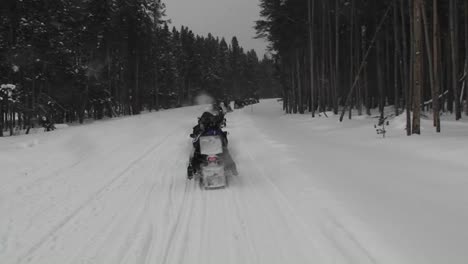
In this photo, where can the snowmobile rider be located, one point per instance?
(210, 120)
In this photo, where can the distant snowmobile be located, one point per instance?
(47, 124)
(210, 161)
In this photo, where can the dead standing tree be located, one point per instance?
(363, 63)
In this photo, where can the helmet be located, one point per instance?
(209, 120)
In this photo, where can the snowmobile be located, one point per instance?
(220, 113)
(208, 162)
(47, 124)
(212, 168)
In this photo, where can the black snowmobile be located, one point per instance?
(210, 161)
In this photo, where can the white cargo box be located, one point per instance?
(211, 145)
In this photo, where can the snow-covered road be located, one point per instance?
(116, 192)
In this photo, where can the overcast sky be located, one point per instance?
(222, 18)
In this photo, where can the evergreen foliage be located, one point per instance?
(91, 59)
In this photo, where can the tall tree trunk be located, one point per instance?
(406, 78)
(447, 66)
(417, 65)
(411, 53)
(365, 77)
(294, 85)
(396, 57)
(387, 69)
(351, 57)
(380, 81)
(1, 118)
(430, 60)
(466, 57)
(436, 57)
(311, 9)
(454, 51)
(136, 95)
(333, 85)
(299, 82)
(323, 78)
(357, 61)
(337, 56)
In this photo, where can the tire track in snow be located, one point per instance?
(204, 228)
(132, 236)
(154, 212)
(179, 228)
(141, 233)
(160, 250)
(280, 235)
(93, 197)
(331, 230)
(151, 211)
(57, 172)
(252, 254)
(120, 223)
(272, 238)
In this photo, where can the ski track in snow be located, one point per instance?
(116, 192)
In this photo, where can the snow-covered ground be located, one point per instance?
(309, 191)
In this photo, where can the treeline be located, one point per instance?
(67, 60)
(360, 54)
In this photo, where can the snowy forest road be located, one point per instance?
(116, 192)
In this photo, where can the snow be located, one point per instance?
(7, 86)
(308, 191)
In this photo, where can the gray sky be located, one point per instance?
(222, 18)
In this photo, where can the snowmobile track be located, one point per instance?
(95, 196)
(116, 192)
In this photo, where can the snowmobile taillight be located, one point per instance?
(212, 159)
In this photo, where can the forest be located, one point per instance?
(351, 56)
(69, 61)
